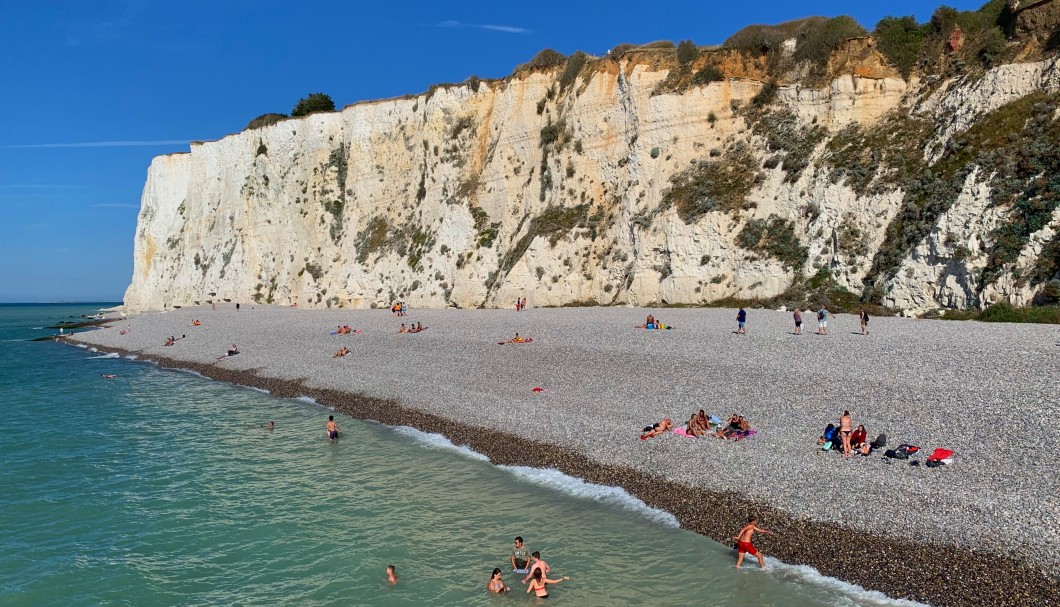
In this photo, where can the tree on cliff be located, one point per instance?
(315, 102)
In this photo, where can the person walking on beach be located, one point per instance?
(496, 584)
(237, 306)
(741, 321)
(798, 321)
(332, 428)
(845, 428)
(520, 556)
(864, 316)
(822, 321)
(744, 545)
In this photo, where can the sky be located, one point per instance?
(90, 92)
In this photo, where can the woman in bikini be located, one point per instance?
(496, 584)
(844, 431)
(539, 585)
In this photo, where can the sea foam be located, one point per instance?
(853, 595)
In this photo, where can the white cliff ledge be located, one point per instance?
(474, 195)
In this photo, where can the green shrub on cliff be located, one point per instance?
(900, 39)
(313, 103)
(713, 185)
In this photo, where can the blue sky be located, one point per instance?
(94, 90)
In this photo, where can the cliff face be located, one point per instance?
(604, 187)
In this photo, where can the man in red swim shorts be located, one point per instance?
(744, 545)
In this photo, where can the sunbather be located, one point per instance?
(694, 429)
(654, 430)
(343, 351)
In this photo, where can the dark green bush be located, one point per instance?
(315, 102)
(574, 66)
(659, 44)
(708, 74)
(713, 185)
(546, 59)
(687, 52)
(767, 94)
(774, 237)
(817, 42)
(265, 120)
(900, 39)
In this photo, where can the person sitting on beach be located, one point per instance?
(650, 322)
(391, 575)
(419, 327)
(518, 340)
(232, 351)
(828, 438)
(654, 430)
(343, 351)
(496, 584)
(403, 329)
(731, 426)
(859, 440)
(539, 585)
(704, 421)
(743, 429)
(693, 427)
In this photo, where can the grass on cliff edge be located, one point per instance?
(1048, 315)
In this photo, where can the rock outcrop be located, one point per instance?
(600, 183)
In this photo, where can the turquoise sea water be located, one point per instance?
(160, 487)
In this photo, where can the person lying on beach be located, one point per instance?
(195, 323)
(496, 584)
(107, 375)
(391, 575)
(539, 585)
(170, 341)
(232, 351)
(654, 430)
(343, 351)
(518, 340)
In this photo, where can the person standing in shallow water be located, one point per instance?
(744, 545)
(520, 556)
(332, 428)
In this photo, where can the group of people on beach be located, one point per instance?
(822, 321)
(400, 309)
(412, 328)
(520, 304)
(700, 424)
(844, 438)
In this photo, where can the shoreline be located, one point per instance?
(942, 574)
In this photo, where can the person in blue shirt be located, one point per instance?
(741, 320)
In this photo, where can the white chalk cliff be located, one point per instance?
(564, 191)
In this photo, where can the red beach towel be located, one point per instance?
(940, 454)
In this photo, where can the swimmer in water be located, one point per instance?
(107, 375)
(270, 426)
(539, 585)
(391, 575)
(496, 584)
(332, 428)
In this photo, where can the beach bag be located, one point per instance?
(902, 452)
(879, 443)
(827, 446)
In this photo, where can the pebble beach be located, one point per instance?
(984, 530)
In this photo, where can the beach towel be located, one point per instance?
(940, 454)
(682, 431)
(540, 389)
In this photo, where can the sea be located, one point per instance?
(160, 487)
